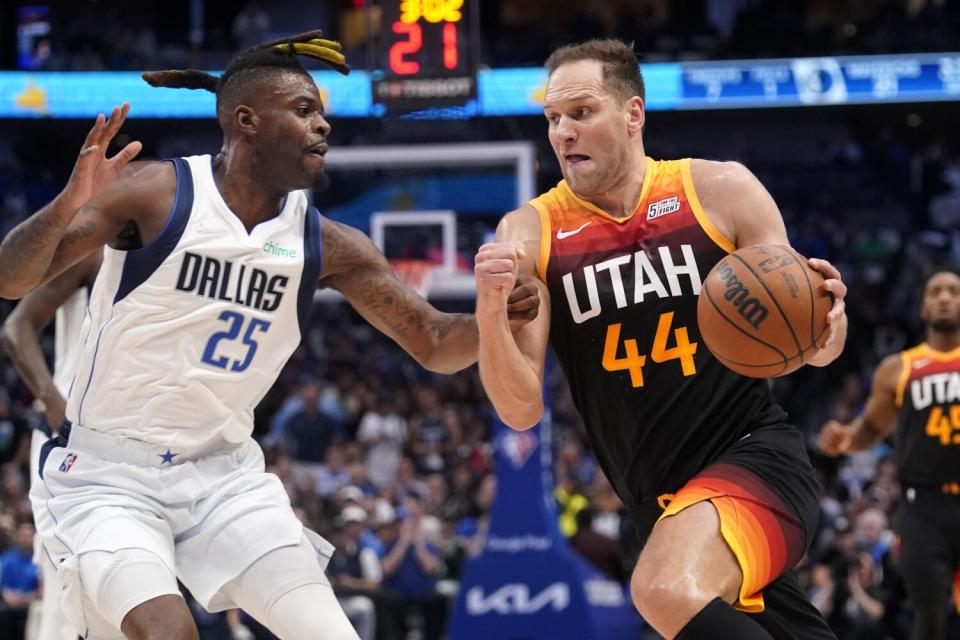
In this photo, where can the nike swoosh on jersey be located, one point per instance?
(561, 234)
(918, 364)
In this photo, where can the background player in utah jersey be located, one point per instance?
(155, 474)
(621, 246)
(919, 390)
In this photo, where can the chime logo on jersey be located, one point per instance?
(277, 250)
(939, 388)
(68, 461)
(663, 207)
(646, 278)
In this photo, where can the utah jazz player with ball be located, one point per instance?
(719, 487)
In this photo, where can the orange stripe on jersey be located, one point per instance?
(925, 351)
(922, 361)
(956, 590)
(905, 365)
(667, 203)
(759, 528)
(543, 257)
(649, 178)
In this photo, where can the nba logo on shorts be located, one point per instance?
(68, 461)
(517, 446)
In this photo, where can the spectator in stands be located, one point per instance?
(411, 565)
(19, 583)
(605, 554)
(435, 432)
(333, 473)
(607, 517)
(408, 482)
(459, 546)
(460, 502)
(355, 572)
(570, 500)
(864, 608)
(14, 434)
(308, 432)
(384, 432)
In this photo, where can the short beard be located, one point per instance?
(600, 183)
(945, 325)
(322, 182)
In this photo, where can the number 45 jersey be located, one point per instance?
(185, 335)
(657, 405)
(928, 432)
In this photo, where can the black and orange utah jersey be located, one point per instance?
(657, 405)
(928, 432)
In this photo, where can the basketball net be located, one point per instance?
(416, 274)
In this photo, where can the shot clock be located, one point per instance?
(428, 54)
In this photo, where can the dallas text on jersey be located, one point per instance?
(211, 278)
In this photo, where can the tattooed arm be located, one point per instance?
(441, 342)
(29, 253)
(132, 210)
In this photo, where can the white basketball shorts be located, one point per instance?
(207, 518)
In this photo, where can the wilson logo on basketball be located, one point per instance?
(739, 295)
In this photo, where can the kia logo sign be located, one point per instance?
(514, 599)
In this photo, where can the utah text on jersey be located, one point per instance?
(941, 392)
(940, 388)
(646, 279)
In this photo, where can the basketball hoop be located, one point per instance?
(416, 274)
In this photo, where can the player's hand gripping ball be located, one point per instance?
(763, 311)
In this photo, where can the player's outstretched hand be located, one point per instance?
(496, 269)
(834, 438)
(93, 170)
(523, 304)
(835, 287)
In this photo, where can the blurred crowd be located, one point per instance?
(513, 32)
(394, 465)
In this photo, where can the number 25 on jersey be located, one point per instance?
(235, 322)
(633, 362)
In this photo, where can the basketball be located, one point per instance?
(762, 310)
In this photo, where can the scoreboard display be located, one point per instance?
(427, 54)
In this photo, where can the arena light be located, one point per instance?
(729, 84)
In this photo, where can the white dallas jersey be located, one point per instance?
(68, 336)
(187, 334)
(68, 333)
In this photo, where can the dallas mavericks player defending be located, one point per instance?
(155, 475)
(64, 297)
